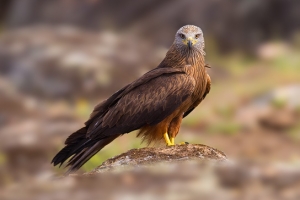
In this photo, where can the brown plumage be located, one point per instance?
(155, 103)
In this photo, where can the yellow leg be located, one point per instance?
(172, 141)
(167, 139)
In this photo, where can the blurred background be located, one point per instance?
(59, 58)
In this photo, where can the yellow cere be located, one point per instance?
(185, 41)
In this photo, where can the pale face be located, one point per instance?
(190, 37)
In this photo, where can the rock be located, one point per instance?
(150, 156)
(280, 120)
(179, 178)
(278, 109)
(198, 180)
(28, 146)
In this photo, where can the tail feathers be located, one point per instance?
(80, 149)
(73, 142)
(77, 136)
(80, 159)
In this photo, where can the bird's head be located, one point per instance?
(190, 37)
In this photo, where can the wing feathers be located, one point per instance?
(148, 103)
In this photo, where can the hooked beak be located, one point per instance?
(190, 44)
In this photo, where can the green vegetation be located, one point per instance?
(2, 159)
(120, 145)
(226, 127)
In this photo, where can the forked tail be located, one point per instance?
(80, 149)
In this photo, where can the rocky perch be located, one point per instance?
(150, 156)
(190, 171)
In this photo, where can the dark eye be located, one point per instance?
(181, 35)
(197, 36)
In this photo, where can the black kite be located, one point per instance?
(155, 103)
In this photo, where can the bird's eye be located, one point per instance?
(181, 35)
(197, 36)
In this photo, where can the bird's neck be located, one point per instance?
(179, 58)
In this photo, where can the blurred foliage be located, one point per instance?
(225, 127)
(122, 144)
(279, 103)
(2, 159)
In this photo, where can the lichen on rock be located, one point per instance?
(150, 156)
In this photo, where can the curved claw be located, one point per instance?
(183, 143)
(171, 142)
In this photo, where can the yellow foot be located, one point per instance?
(168, 141)
(171, 142)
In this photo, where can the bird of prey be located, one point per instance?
(155, 103)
